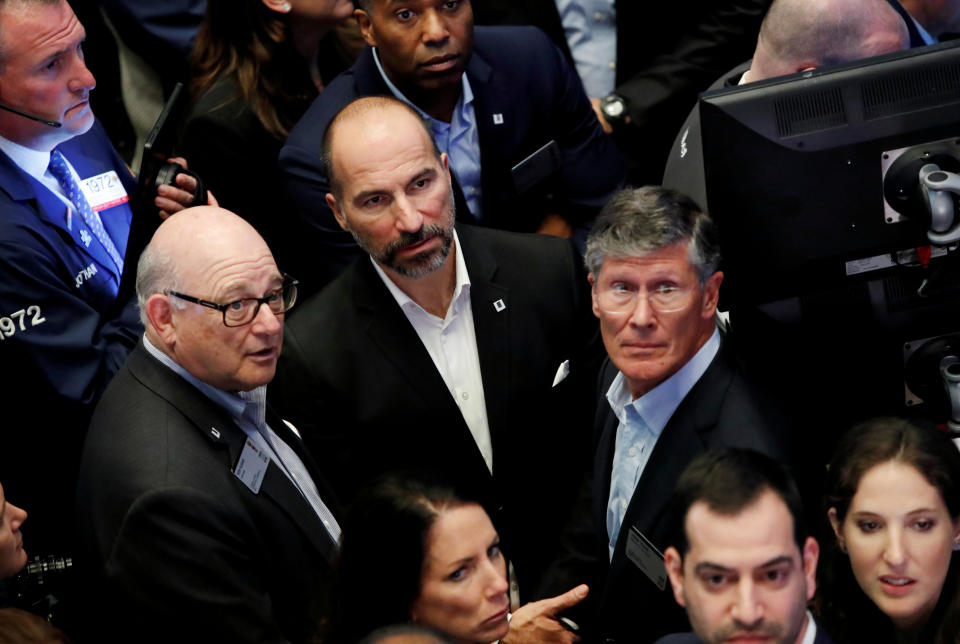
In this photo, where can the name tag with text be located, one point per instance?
(251, 466)
(104, 191)
(646, 557)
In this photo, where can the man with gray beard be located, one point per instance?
(466, 352)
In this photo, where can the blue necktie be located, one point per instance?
(58, 168)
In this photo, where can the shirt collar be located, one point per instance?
(405, 301)
(33, 162)
(466, 93)
(235, 404)
(657, 405)
(927, 38)
(810, 634)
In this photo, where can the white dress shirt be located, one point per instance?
(35, 163)
(451, 342)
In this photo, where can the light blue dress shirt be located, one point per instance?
(641, 423)
(249, 409)
(591, 30)
(927, 38)
(459, 139)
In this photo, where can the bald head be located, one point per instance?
(186, 245)
(212, 298)
(363, 115)
(805, 34)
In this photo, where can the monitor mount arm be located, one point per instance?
(938, 188)
(950, 372)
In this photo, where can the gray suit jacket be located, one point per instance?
(174, 538)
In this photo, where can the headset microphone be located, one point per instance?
(30, 116)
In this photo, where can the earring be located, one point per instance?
(956, 545)
(286, 7)
(843, 546)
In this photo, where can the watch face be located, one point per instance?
(614, 108)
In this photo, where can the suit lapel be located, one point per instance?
(492, 309)
(603, 462)
(367, 77)
(681, 440)
(295, 442)
(493, 109)
(53, 212)
(394, 336)
(278, 488)
(216, 425)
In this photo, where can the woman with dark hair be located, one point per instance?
(418, 552)
(893, 501)
(256, 67)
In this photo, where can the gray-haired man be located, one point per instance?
(670, 389)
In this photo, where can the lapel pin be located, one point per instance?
(214, 432)
(499, 305)
(498, 119)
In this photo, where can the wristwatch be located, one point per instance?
(614, 108)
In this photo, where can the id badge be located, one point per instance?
(104, 191)
(251, 466)
(646, 557)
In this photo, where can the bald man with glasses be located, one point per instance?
(671, 388)
(199, 505)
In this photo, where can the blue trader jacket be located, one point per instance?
(60, 342)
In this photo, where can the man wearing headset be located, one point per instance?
(64, 220)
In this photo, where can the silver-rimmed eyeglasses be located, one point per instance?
(244, 311)
(620, 298)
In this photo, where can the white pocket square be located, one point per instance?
(562, 372)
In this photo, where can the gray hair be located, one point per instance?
(156, 273)
(639, 221)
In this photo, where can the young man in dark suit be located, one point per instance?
(203, 517)
(525, 148)
(741, 560)
(464, 351)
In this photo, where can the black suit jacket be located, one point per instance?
(691, 638)
(525, 95)
(356, 379)
(722, 410)
(179, 549)
(667, 52)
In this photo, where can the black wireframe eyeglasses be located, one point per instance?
(244, 311)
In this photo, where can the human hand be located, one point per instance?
(595, 104)
(171, 199)
(537, 622)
